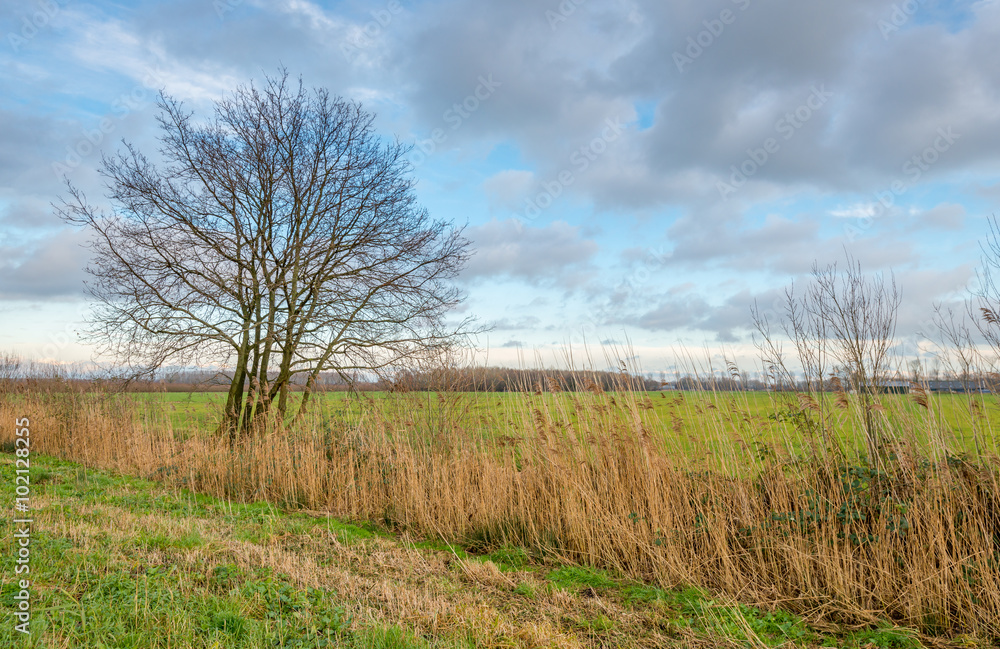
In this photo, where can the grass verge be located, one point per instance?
(119, 561)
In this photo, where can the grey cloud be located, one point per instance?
(552, 254)
(549, 99)
(51, 269)
(695, 243)
(731, 319)
(506, 188)
(684, 312)
(780, 245)
(559, 85)
(946, 216)
(989, 192)
(692, 312)
(890, 96)
(923, 288)
(28, 213)
(29, 144)
(251, 37)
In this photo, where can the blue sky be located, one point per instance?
(629, 171)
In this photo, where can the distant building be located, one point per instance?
(894, 387)
(958, 386)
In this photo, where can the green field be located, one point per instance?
(697, 423)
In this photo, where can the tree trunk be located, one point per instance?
(234, 401)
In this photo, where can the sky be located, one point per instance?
(633, 174)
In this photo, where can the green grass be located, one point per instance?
(95, 596)
(509, 559)
(701, 425)
(580, 577)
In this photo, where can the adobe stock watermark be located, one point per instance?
(580, 160)
(35, 20)
(912, 171)
(454, 116)
(381, 18)
(562, 12)
(901, 14)
(714, 28)
(786, 127)
(22, 525)
(124, 105)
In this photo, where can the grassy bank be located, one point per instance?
(600, 480)
(119, 561)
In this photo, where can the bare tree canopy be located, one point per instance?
(282, 238)
(845, 321)
(984, 305)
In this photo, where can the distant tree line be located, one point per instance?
(502, 379)
(16, 373)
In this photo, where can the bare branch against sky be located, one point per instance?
(280, 238)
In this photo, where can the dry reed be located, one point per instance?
(598, 478)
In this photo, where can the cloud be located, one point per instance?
(881, 101)
(505, 189)
(692, 312)
(51, 269)
(29, 212)
(30, 143)
(509, 324)
(923, 288)
(782, 245)
(990, 192)
(554, 254)
(946, 216)
(730, 319)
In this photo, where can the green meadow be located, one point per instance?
(696, 422)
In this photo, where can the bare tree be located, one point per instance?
(808, 335)
(860, 314)
(282, 238)
(958, 351)
(845, 318)
(10, 371)
(984, 305)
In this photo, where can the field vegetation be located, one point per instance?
(717, 517)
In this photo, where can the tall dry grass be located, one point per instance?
(598, 478)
